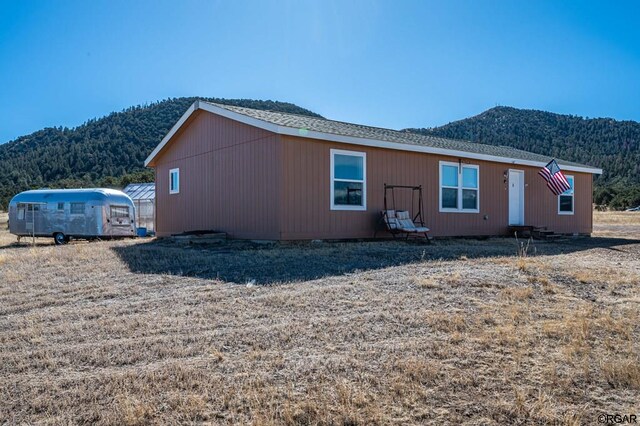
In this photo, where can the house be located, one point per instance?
(270, 175)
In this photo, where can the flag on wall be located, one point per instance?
(556, 181)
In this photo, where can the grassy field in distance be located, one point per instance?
(460, 331)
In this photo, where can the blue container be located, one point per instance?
(142, 232)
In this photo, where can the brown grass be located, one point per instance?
(616, 224)
(461, 331)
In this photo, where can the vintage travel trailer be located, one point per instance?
(66, 214)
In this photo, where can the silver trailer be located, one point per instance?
(66, 214)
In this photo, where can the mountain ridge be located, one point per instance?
(613, 145)
(110, 151)
(105, 151)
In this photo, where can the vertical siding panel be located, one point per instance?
(286, 189)
(312, 201)
(292, 188)
(283, 187)
(300, 187)
(295, 193)
(256, 220)
(403, 168)
(225, 172)
(319, 203)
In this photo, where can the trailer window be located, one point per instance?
(60, 206)
(20, 211)
(120, 216)
(119, 211)
(76, 208)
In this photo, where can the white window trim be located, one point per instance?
(573, 197)
(175, 190)
(363, 155)
(459, 188)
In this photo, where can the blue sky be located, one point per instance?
(393, 64)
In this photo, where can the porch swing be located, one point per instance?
(398, 222)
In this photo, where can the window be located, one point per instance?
(60, 206)
(21, 209)
(348, 180)
(565, 200)
(119, 211)
(174, 181)
(459, 188)
(120, 215)
(76, 208)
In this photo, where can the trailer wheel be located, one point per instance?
(60, 238)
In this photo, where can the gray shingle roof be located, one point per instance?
(359, 131)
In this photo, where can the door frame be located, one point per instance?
(522, 186)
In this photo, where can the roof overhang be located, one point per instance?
(332, 137)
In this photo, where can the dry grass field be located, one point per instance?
(460, 331)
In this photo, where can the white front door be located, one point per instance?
(516, 197)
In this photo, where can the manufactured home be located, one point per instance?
(65, 214)
(269, 175)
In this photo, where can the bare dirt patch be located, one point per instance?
(462, 331)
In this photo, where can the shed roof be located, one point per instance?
(338, 131)
(141, 191)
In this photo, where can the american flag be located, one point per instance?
(556, 181)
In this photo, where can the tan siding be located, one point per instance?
(306, 188)
(541, 206)
(229, 179)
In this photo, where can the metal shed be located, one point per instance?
(144, 198)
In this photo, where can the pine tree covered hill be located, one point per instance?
(609, 144)
(108, 151)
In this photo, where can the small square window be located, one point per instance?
(469, 199)
(469, 177)
(60, 206)
(450, 176)
(449, 198)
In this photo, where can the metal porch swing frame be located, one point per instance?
(417, 218)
